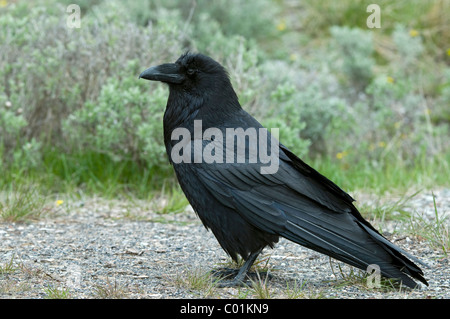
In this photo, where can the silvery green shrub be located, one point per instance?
(353, 49)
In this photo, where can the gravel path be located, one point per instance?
(123, 249)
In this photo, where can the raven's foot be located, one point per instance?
(223, 273)
(238, 274)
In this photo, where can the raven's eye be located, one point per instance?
(191, 71)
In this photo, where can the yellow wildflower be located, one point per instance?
(390, 79)
(281, 26)
(413, 33)
(293, 57)
(381, 144)
(59, 202)
(3, 3)
(341, 155)
(448, 51)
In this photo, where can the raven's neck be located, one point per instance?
(181, 110)
(213, 109)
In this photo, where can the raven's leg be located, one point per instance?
(239, 279)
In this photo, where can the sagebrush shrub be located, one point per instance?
(68, 92)
(355, 50)
(125, 122)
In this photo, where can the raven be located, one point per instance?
(246, 208)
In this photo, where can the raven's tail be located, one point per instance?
(352, 241)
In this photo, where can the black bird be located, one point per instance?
(247, 209)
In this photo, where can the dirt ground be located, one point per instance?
(99, 248)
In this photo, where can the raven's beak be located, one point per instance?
(168, 73)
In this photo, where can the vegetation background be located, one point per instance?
(369, 108)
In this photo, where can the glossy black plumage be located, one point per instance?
(247, 210)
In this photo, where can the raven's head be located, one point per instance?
(192, 73)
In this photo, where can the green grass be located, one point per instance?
(350, 276)
(110, 290)
(198, 281)
(381, 212)
(435, 231)
(24, 194)
(53, 292)
(261, 287)
(294, 290)
(22, 202)
(90, 172)
(97, 173)
(387, 176)
(8, 267)
(174, 201)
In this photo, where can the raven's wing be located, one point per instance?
(302, 205)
